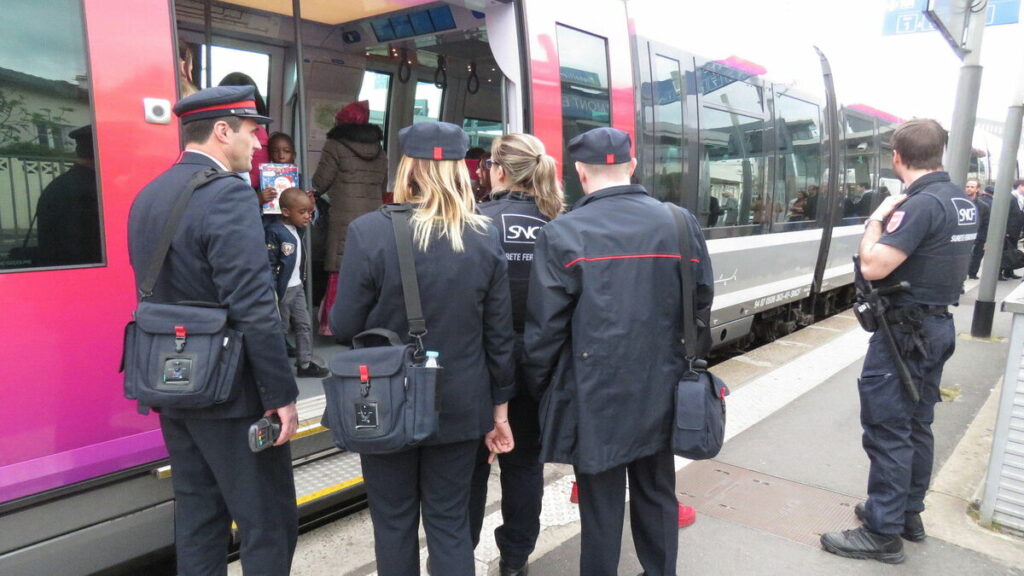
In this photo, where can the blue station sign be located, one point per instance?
(907, 16)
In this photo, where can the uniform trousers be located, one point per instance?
(217, 478)
(295, 313)
(522, 486)
(432, 478)
(653, 516)
(897, 431)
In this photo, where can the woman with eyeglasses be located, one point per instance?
(525, 195)
(463, 284)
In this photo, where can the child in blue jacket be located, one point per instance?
(284, 245)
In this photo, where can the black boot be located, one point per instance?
(506, 570)
(913, 526)
(864, 544)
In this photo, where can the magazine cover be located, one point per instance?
(280, 177)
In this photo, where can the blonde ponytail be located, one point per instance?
(531, 170)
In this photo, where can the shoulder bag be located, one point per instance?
(699, 430)
(181, 355)
(381, 399)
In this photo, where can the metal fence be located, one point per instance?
(22, 180)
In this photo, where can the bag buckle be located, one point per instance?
(364, 380)
(179, 339)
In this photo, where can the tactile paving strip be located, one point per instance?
(794, 511)
(319, 475)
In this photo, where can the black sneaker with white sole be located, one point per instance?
(312, 370)
(863, 544)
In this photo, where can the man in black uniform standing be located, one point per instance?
(923, 237)
(218, 255)
(604, 351)
(973, 190)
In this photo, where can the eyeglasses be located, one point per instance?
(488, 163)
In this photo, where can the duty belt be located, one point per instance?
(913, 313)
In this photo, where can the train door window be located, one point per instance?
(732, 180)
(727, 89)
(799, 159)
(376, 90)
(861, 168)
(428, 101)
(669, 91)
(49, 194)
(583, 69)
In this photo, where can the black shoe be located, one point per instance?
(1013, 276)
(863, 544)
(913, 526)
(506, 570)
(972, 277)
(312, 370)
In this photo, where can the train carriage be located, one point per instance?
(771, 174)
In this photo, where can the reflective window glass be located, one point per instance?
(669, 91)
(427, 106)
(583, 68)
(727, 90)
(224, 61)
(49, 200)
(799, 169)
(732, 178)
(481, 132)
(861, 168)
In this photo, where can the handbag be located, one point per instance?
(381, 399)
(699, 428)
(185, 354)
(1012, 259)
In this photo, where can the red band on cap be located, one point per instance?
(241, 104)
(438, 153)
(609, 159)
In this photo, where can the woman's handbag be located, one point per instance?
(699, 430)
(185, 354)
(382, 399)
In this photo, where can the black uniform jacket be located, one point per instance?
(604, 327)
(218, 255)
(465, 300)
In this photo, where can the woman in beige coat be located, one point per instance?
(353, 173)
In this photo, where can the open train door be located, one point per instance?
(580, 74)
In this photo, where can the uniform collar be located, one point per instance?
(609, 192)
(512, 195)
(203, 157)
(929, 178)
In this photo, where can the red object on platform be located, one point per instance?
(687, 515)
(575, 496)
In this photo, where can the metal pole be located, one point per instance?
(966, 108)
(985, 306)
(208, 41)
(302, 151)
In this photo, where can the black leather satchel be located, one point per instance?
(381, 399)
(699, 430)
(184, 354)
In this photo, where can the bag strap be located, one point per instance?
(400, 216)
(686, 281)
(198, 180)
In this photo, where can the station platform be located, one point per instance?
(792, 468)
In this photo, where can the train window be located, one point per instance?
(725, 90)
(732, 182)
(49, 193)
(861, 168)
(481, 132)
(583, 69)
(799, 168)
(427, 107)
(376, 90)
(669, 88)
(224, 61)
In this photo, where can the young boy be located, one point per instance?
(286, 263)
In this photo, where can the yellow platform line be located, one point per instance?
(328, 491)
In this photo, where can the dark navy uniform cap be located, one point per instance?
(83, 133)
(601, 146)
(433, 141)
(218, 102)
